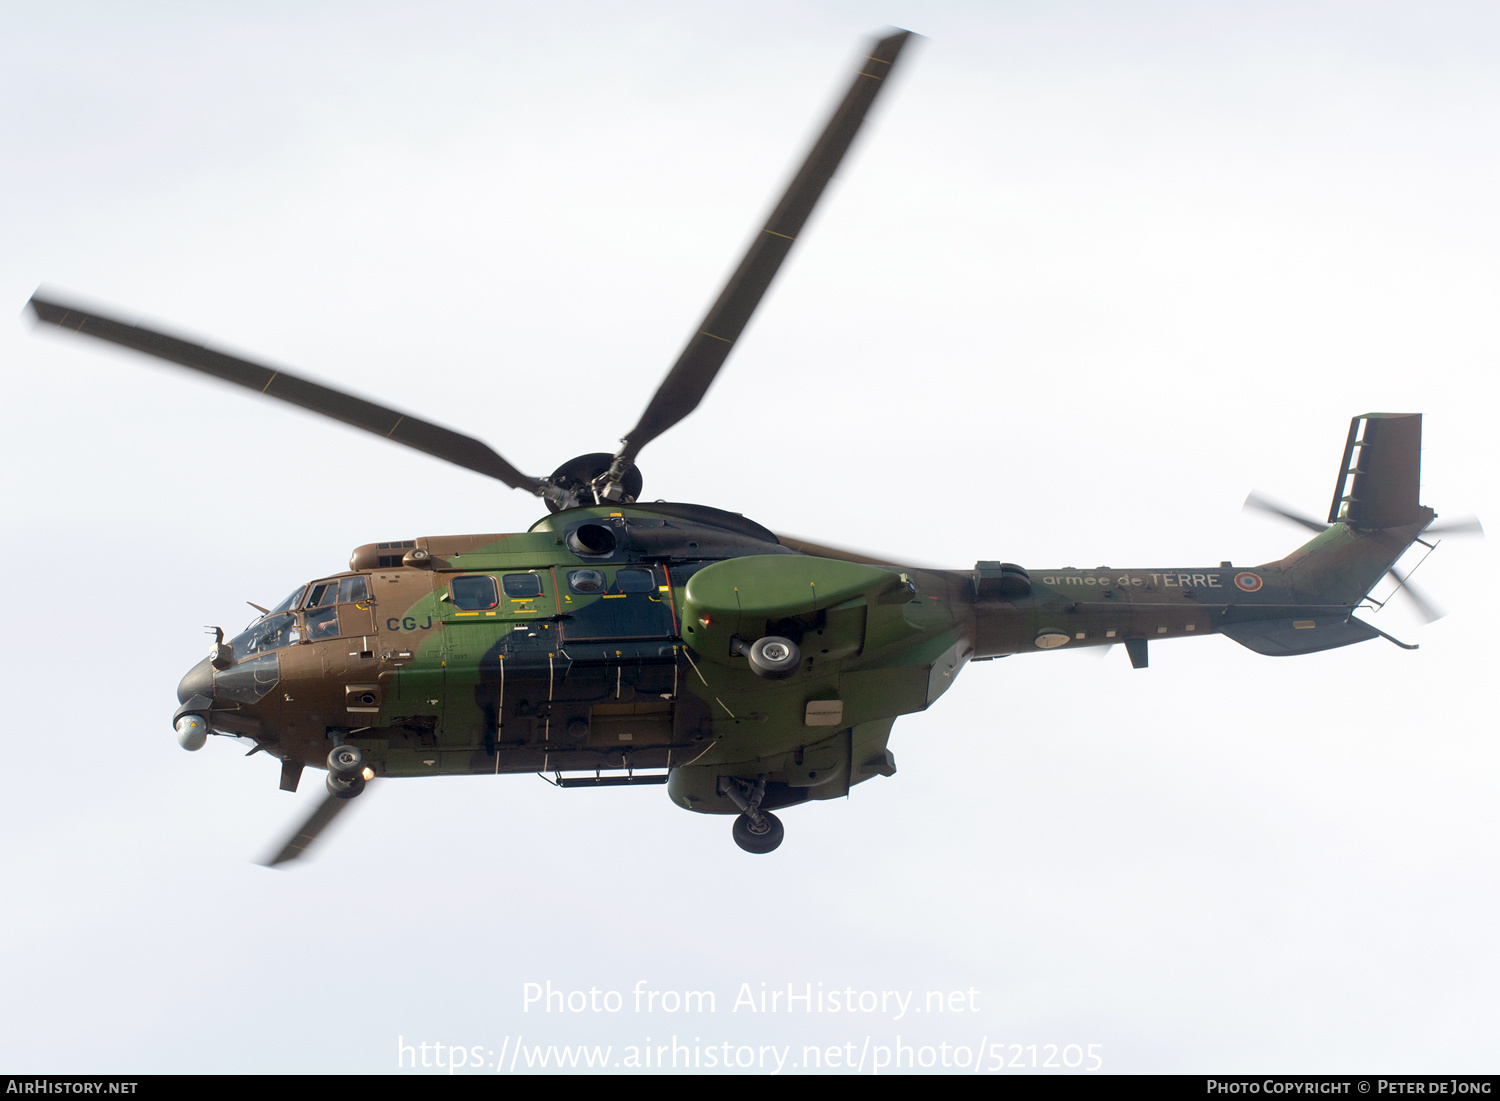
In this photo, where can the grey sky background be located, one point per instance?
(1090, 275)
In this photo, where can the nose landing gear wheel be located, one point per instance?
(346, 759)
(762, 840)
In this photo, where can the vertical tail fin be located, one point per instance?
(1374, 518)
(1381, 473)
(1375, 513)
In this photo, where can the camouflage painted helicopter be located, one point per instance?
(625, 643)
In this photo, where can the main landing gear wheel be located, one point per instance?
(345, 787)
(762, 839)
(774, 658)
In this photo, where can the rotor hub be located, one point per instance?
(584, 481)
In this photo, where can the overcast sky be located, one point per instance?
(1090, 275)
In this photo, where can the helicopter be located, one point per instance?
(621, 642)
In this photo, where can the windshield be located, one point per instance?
(271, 633)
(290, 602)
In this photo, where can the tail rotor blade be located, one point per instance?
(1429, 611)
(694, 371)
(1467, 525)
(1262, 504)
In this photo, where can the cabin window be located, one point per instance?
(586, 581)
(521, 586)
(353, 590)
(323, 593)
(635, 581)
(474, 593)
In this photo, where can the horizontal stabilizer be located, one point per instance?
(1307, 635)
(1381, 472)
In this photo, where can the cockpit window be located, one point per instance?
(323, 623)
(248, 681)
(290, 602)
(635, 581)
(474, 593)
(522, 585)
(271, 633)
(343, 590)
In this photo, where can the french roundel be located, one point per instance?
(1248, 581)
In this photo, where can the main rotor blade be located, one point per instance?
(1256, 501)
(308, 832)
(690, 377)
(825, 550)
(402, 428)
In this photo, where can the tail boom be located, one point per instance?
(1300, 604)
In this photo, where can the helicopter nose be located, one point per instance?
(198, 682)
